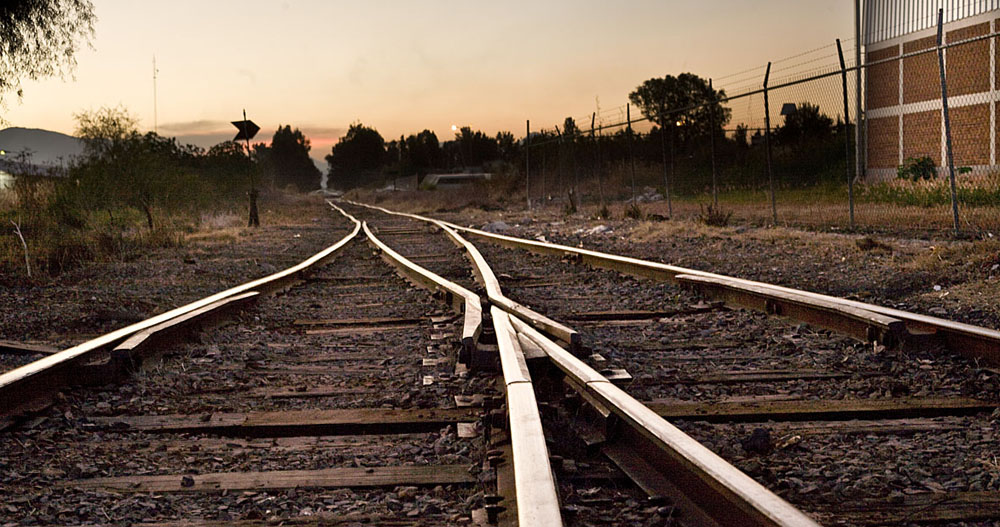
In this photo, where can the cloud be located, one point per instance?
(203, 126)
(204, 140)
(208, 133)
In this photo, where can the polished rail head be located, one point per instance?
(473, 324)
(14, 382)
(537, 498)
(971, 341)
(717, 481)
(489, 280)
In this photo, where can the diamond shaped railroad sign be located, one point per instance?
(247, 129)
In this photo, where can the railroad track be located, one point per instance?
(348, 395)
(888, 419)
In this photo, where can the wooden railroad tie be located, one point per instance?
(8, 347)
(352, 477)
(819, 410)
(297, 422)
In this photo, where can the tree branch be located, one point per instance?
(27, 261)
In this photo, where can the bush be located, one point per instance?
(714, 217)
(979, 191)
(917, 168)
(634, 212)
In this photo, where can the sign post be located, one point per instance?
(247, 129)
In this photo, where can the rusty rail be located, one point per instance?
(18, 387)
(966, 339)
(721, 493)
(537, 499)
(712, 490)
(864, 321)
(489, 281)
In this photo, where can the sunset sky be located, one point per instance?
(402, 66)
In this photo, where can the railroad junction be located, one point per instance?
(420, 372)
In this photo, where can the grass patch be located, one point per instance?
(982, 191)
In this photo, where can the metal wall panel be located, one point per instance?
(888, 19)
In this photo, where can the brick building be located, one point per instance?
(903, 97)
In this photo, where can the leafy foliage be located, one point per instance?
(662, 100)
(470, 148)
(806, 123)
(422, 152)
(358, 153)
(288, 161)
(122, 166)
(917, 168)
(39, 38)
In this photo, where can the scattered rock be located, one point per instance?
(759, 442)
(496, 226)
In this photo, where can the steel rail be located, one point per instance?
(44, 374)
(535, 487)
(489, 281)
(975, 342)
(534, 483)
(864, 322)
(496, 297)
(722, 493)
(455, 295)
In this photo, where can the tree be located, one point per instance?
(685, 101)
(807, 122)
(122, 166)
(104, 131)
(423, 152)
(39, 38)
(471, 149)
(507, 146)
(288, 157)
(570, 130)
(358, 152)
(742, 135)
(225, 166)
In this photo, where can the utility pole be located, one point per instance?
(154, 95)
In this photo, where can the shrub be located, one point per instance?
(634, 212)
(714, 217)
(917, 168)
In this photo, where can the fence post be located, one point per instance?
(711, 128)
(767, 146)
(560, 163)
(544, 168)
(859, 168)
(576, 171)
(631, 156)
(663, 150)
(600, 167)
(527, 161)
(947, 121)
(847, 138)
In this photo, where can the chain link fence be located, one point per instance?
(786, 148)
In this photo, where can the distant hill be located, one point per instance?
(46, 147)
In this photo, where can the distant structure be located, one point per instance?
(903, 98)
(445, 181)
